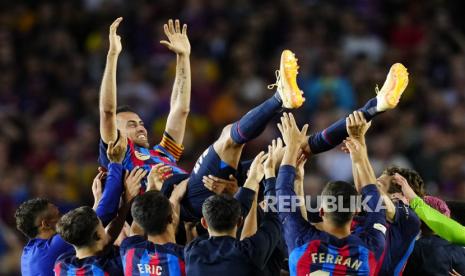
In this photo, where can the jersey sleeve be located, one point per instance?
(406, 219)
(245, 197)
(374, 228)
(108, 205)
(445, 227)
(296, 229)
(170, 147)
(59, 246)
(103, 158)
(260, 247)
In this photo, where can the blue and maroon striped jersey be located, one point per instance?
(167, 152)
(142, 257)
(105, 264)
(400, 240)
(315, 251)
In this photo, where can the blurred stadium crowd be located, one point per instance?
(52, 55)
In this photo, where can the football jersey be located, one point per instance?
(167, 152)
(143, 257)
(105, 264)
(39, 255)
(315, 252)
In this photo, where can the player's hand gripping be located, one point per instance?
(158, 174)
(132, 183)
(114, 39)
(357, 126)
(117, 151)
(178, 40)
(220, 185)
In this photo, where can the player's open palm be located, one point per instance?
(178, 41)
(114, 38)
(132, 182)
(257, 170)
(292, 136)
(408, 192)
(357, 125)
(355, 148)
(157, 176)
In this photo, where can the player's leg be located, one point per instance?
(387, 98)
(222, 158)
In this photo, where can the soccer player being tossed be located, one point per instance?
(332, 249)
(222, 158)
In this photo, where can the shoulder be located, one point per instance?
(133, 241)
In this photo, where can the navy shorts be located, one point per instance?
(209, 163)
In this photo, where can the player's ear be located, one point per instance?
(95, 236)
(204, 223)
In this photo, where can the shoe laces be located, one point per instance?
(377, 90)
(277, 84)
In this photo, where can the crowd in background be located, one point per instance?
(52, 55)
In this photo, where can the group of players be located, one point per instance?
(152, 217)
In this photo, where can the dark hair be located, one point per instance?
(340, 190)
(124, 108)
(413, 178)
(222, 212)
(26, 216)
(153, 212)
(78, 227)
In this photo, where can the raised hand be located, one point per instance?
(178, 40)
(292, 136)
(97, 187)
(270, 162)
(117, 151)
(158, 174)
(132, 182)
(406, 189)
(114, 39)
(256, 172)
(219, 185)
(179, 191)
(355, 148)
(357, 125)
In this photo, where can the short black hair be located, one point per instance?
(222, 212)
(26, 216)
(79, 226)
(413, 178)
(124, 108)
(340, 190)
(153, 212)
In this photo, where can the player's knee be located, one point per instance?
(225, 141)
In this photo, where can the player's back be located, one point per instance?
(39, 255)
(107, 263)
(328, 255)
(433, 255)
(142, 257)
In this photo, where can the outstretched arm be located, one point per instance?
(181, 94)
(442, 225)
(107, 105)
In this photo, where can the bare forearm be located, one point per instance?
(290, 156)
(180, 99)
(299, 191)
(107, 101)
(365, 171)
(250, 223)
